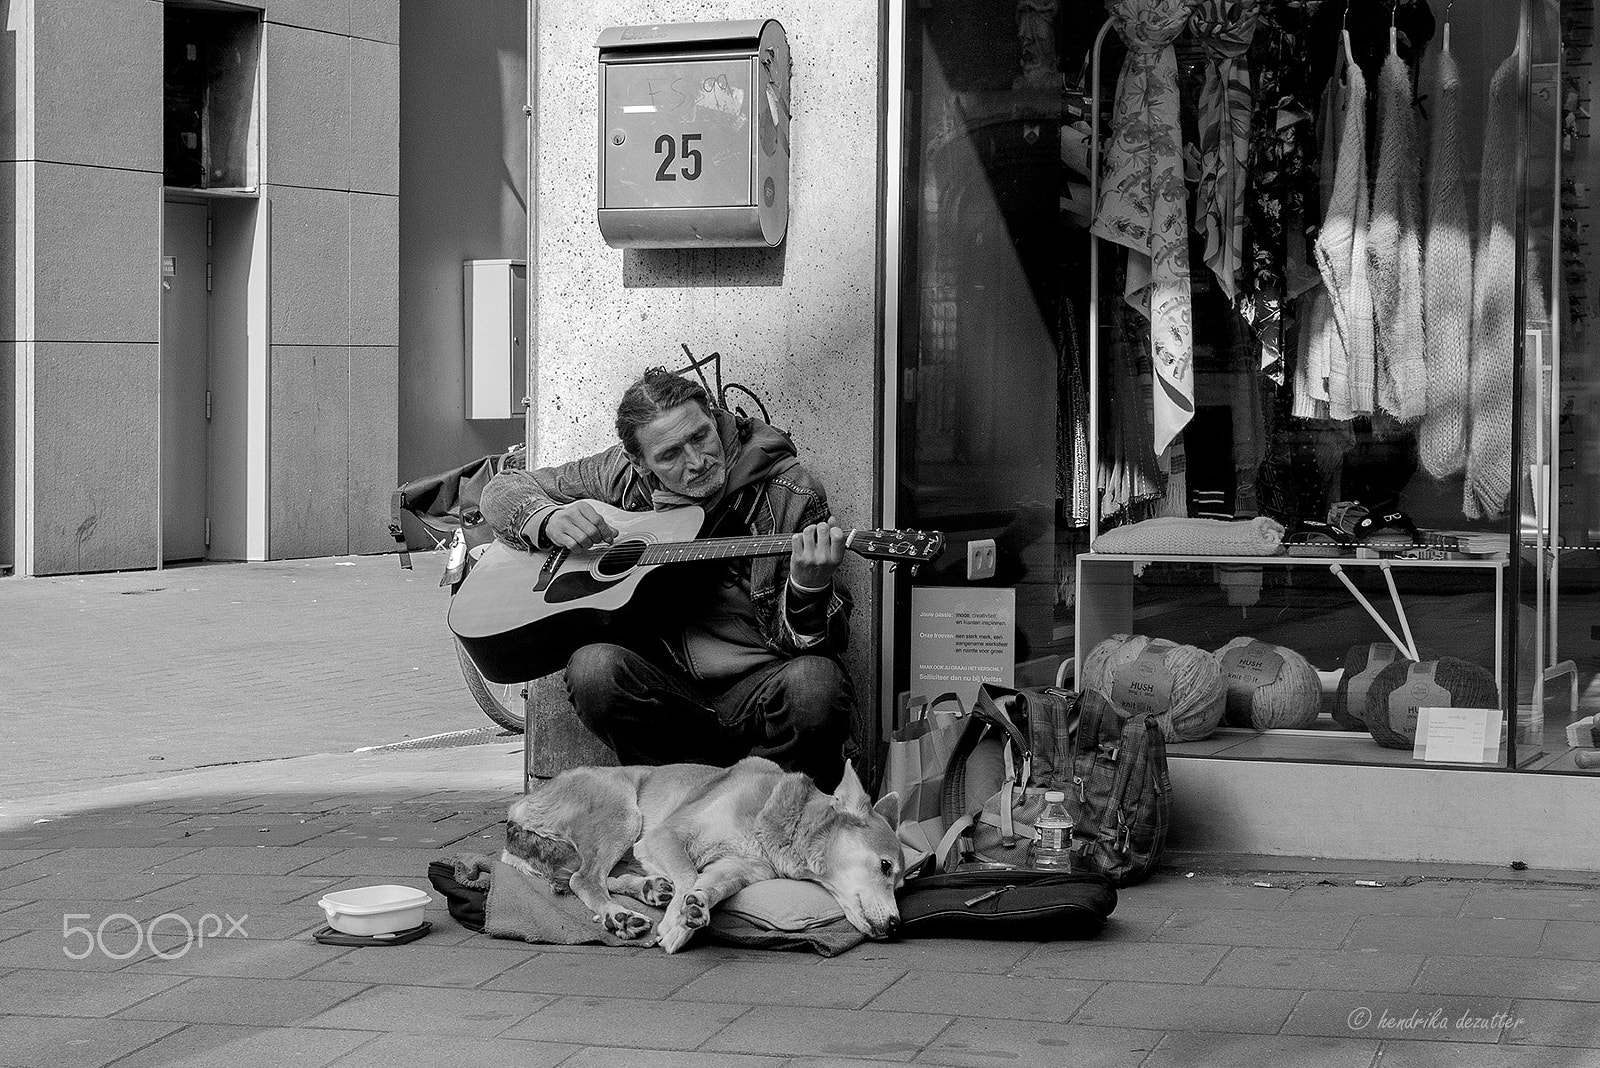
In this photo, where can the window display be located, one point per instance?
(1231, 323)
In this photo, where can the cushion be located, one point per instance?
(783, 905)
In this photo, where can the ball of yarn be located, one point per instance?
(1268, 686)
(1403, 687)
(1180, 685)
(1361, 665)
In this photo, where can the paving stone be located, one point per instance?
(240, 891)
(420, 834)
(36, 992)
(1031, 1044)
(244, 1002)
(1002, 997)
(104, 885)
(1533, 902)
(1422, 899)
(1408, 1017)
(1242, 927)
(641, 976)
(48, 915)
(1555, 1023)
(1179, 893)
(1426, 934)
(1189, 1007)
(784, 980)
(1562, 940)
(242, 957)
(1519, 977)
(251, 833)
(629, 1022)
(1318, 969)
(1134, 923)
(1456, 1055)
(246, 860)
(104, 949)
(415, 965)
(151, 861)
(936, 954)
(43, 1042)
(1185, 1049)
(206, 1046)
(613, 1057)
(433, 1011)
(1154, 961)
(348, 863)
(772, 1029)
(432, 1051)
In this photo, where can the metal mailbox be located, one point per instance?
(694, 134)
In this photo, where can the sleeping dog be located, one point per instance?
(702, 833)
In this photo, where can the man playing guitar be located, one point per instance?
(728, 658)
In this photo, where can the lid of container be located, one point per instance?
(372, 900)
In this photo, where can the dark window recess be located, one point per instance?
(211, 127)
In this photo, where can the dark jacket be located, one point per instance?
(768, 491)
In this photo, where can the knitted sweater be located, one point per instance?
(1394, 250)
(1446, 278)
(1494, 297)
(1341, 247)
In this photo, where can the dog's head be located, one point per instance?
(856, 856)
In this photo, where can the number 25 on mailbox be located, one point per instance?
(694, 134)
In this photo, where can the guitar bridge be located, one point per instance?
(552, 564)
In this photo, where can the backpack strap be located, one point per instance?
(1135, 746)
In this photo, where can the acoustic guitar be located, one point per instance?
(521, 614)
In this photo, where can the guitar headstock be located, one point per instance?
(914, 547)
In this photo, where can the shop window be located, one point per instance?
(212, 127)
(1437, 504)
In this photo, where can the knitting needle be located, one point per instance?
(1399, 610)
(1371, 611)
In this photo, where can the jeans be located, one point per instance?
(796, 713)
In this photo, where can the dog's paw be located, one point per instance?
(671, 935)
(657, 891)
(696, 910)
(625, 923)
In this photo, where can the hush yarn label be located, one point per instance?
(1419, 690)
(1245, 668)
(1144, 686)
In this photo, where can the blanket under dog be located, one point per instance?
(776, 914)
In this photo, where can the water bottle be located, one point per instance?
(1052, 835)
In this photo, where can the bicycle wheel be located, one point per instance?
(504, 703)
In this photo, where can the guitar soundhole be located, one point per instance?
(620, 559)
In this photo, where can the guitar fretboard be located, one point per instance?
(682, 552)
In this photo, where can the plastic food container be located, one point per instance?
(375, 910)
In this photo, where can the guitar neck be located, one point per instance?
(681, 552)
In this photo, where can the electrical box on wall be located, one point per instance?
(496, 315)
(694, 134)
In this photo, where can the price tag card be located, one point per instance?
(1458, 735)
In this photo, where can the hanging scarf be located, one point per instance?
(1341, 246)
(1322, 379)
(1283, 178)
(1446, 276)
(1494, 305)
(1144, 204)
(1394, 249)
(1224, 29)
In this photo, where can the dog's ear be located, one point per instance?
(851, 796)
(888, 807)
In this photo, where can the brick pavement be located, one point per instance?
(1237, 961)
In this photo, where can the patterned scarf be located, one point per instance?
(1144, 204)
(1224, 29)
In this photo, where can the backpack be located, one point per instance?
(1119, 791)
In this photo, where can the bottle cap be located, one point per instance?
(1054, 795)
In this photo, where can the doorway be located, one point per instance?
(185, 381)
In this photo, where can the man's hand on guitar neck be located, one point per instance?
(815, 554)
(577, 526)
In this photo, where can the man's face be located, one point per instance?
(682, 449)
